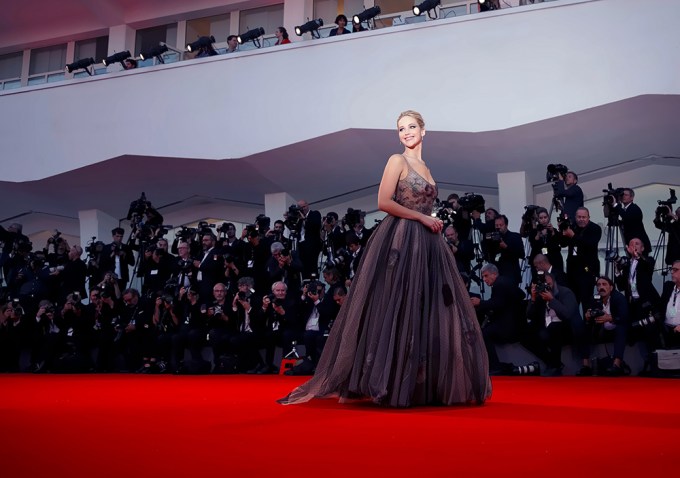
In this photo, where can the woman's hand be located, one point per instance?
(432, 223)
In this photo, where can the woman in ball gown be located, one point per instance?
(407, 333)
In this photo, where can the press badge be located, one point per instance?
(544, 251)
(575, 252)
(251, 263)
(199, 276)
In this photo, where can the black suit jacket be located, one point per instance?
(572, 197)
(631, 224)
(582, 256)
(564, 304)
(643, 281)
(503, 304)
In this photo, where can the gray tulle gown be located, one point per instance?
(407, 333)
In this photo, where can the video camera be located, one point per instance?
(352, 218)
(611, 195)
(138, 207)
(665, 207)
(554, 171)
(294, 218)
(472, 202)
(55, 238)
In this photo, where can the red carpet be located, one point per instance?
(165, 426)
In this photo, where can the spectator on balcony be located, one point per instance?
(281, 36)
(341, 22)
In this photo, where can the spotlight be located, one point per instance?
(487, 5)
(81, 64)
(251, 35)
(156, 51)
(426, 6)
(116, 58)
(201, 42)
(311, 26)
(367, 15)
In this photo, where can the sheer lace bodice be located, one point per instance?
(415, 192)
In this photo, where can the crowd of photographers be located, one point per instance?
(570, 301)
(244, 294)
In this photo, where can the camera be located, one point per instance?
(649, 319)
(55, 238)
(472, 202)
(243, 295)
(622, 262)
(541, 284)
(352, 218)
(340, 257)
(554, 171)
(493, 236)
(285, 252)
(314, 287)
(596, 309)
(664, 209)
(16, 307)
(138, 207)
(262, 222)
(564, 222)
(612, 195)
(168, 299)
(94, 247)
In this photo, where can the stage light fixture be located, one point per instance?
(81, 64)
(116, 58)
(487, 5)
(156, 51)
(367, 15)
(251, 35)
(311, 26)
(201, 42)
(426, 6)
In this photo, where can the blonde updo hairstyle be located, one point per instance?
(413, 114)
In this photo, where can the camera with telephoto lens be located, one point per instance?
(649, 317)
(596, 308)
(16, 307)
(554, 171)
(472, 202)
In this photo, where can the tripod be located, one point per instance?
(612, 247)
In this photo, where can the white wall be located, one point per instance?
(565, 56)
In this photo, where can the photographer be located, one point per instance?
(191, 334)
(583, 264)
(32, 281)
(49, 338)
(134, 330)
(356, 251)
(279, 313)
(73, 275)
(462, 249)
(234, 246)
(98, 314)
(670, 305)
(246, 340)
(505, 249)
(109, 286)
(156, 270)
(631, 218)
(166, 321)
(310, 244)
(500, 324)
(634, 278)
(315, 316)
(606, 319)
(11, 238)
(544, 239)
(550, 314)
(459, 216)
(257, 255)
(541, 263)
(117, 257)
(210, 268)
(15, 336)
(667, 221)
(569, 192)
(183, 269)
(332, 235)
(221, 327)
(284, 265)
